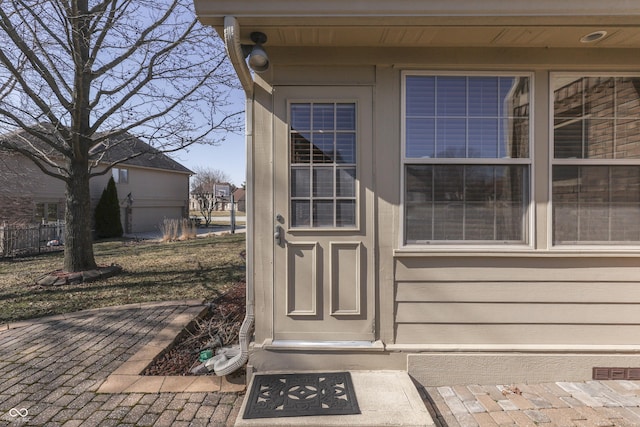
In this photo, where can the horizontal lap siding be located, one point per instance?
(517, 301)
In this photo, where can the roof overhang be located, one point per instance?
(438, 23)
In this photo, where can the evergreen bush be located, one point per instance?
(107, 214)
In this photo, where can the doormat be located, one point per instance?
(299, 395)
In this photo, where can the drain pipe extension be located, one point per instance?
(225, 366)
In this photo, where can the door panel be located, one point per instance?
(323, 251)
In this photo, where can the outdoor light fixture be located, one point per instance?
(593, 37)
(258, 59)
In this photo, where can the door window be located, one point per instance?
(323, 164)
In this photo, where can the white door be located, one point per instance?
(323, 239)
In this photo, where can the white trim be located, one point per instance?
(358, 166)
(524, 348)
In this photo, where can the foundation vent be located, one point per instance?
(616, 373)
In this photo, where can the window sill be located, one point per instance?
(518, 252)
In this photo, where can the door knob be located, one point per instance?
(277, 235)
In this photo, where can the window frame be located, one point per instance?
(529, 219)
(553, 161)
(357, 165)
(118, 173)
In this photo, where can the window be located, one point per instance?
(466, 158)
(120, 175)
(322, 164)
(46, 212)
(596, 159)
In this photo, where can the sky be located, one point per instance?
(229, 156)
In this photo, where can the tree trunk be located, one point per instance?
(78, 249)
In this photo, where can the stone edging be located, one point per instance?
(127, 378)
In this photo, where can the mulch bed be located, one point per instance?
(220, 326)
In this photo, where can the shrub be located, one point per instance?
(107, 214)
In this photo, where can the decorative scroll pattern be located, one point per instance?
(296, 395)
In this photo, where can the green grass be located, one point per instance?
(194, 269)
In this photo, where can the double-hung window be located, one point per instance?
(466, 158)
(596, 159)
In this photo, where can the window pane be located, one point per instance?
(567, 95)
(52, 211)
(627, 97)
(323, 213)
(483, 96)
(451, 137)
(420, 96)
(346, 213)
(115, 173)
(627, 138)
(513, 97)
(419, 203)
(346, 117)
(40, 212)
(301, 117)
(514, 137)
(598, 139)
(323, 147)
(567, 138)
(470, 203)
(346, 148)
(420, 134)
(594, 204)
(323, 115)
(300, 149)
(323, 182)
(346, 182)
(124, 176)
(451, 97)
(300, 182)
(483, 138)
(300, 213)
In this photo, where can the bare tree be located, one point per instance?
(205, 178)
(78, 74)
(202, 188)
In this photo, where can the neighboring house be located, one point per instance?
(239, 200)
(221, 201)
(151, 187)
(450, 188)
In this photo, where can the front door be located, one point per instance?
(324, 204)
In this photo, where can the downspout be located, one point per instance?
(225, 366)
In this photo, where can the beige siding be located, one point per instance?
(514, 301)
(156, 195)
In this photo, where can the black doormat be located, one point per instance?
(297, 395)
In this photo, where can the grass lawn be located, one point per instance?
(194, 269)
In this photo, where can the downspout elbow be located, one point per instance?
(234, 51)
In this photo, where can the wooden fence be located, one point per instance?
(30, 239)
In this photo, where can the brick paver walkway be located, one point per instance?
(587, 404)
(51, 369)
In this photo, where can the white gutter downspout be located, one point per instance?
(225, 366)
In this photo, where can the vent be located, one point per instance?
(616, 373)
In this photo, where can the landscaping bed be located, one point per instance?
(218, 327)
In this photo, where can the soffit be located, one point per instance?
(446, 36)
(443, 23)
